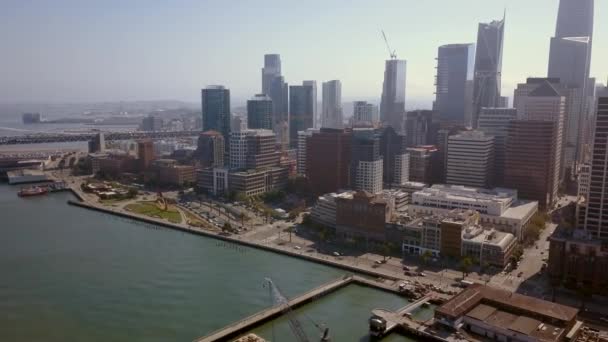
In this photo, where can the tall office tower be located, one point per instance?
(270, 71)
(495, 122)
(216, 110)
(328, 160)
(470, 159)
(301, 111)
(392, 105)
(574, 19)
(332, 105)
(569, 59)
(534, 146)
(488, 67)
(418, 127)
(210, 149)
(253, 149)
(273, 85)
(145, 154)
(259, 112)
(364, 114)
(455, 70)
(303, 137)
(441, 142)
(503, 102)
(315, 104)
(396, 165)
(596, 213)
(573, 121)
(98, 143)
(366, 162)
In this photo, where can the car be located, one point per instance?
(406, 268)
(336, 254)
(297, 247)
(421, 274)
(520, 274)
(378, 262)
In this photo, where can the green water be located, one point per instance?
(70, 274)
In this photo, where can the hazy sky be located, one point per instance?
(108, 50)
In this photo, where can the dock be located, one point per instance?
(246, 324)
(396, 318)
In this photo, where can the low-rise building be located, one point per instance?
(505, 316)
(488, 246)
(498, 207)
(362, 217)
(324, 211)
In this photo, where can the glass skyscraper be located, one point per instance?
(216, 109)
(455, 70)
(392, 105)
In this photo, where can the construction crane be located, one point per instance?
(392, 53)
(294, 324)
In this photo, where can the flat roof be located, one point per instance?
(520, 209)
(466, 300)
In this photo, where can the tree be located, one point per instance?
(465, 266)
(227, 228)
(426, 256)
(242, 217)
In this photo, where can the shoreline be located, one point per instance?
(184, 228)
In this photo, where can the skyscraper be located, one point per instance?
(470, 159)
(396, 160)
(596, 213)
(259, 112)
(418, 127)
(392, 105)
(455, 70)
(301, 111)
(315, 104)
(534, 146)
(332, 105)
(488, 67)
(575, 18)
(216, 110)
(495, 122)
(569, 59)
(273, 85)
(211, 149)
(271, 70)
(366, 162)
(328, 160)
(364, 114)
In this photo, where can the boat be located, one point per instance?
(33, 191)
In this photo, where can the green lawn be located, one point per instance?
(150, 209)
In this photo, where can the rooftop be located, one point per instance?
(466, 193)
(467, 300)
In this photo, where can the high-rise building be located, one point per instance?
(216, 110)
(575, 18)
(495, 122)
(574, 122)
(152, 123)
(328, 156)
(211, 149)
(596, 213)
(393, 150)
(332, 105)
(303, 137)
(273, 85)
(366, 162)
(421, 161)
(454, 93)
(253, 149)
(470, 159)
(315, 104)
(301, 111)
(145, 153)
(488, 67)
(364, 114)
(98, 143)
(534, 146)
(259, 112)
(271, 70)
(392, 105)
(419, 127)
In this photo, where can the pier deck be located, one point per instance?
(247, 323)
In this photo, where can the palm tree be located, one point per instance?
(426, 256)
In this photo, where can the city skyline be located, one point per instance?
(151, 61)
